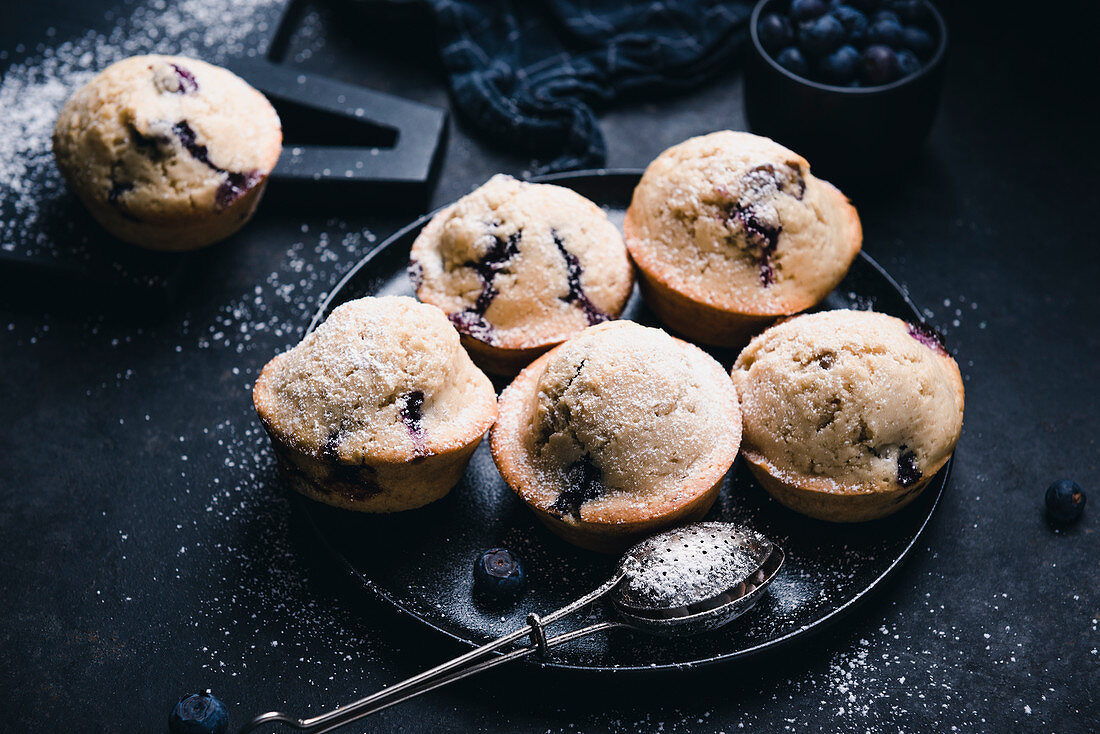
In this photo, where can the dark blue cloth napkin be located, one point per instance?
(529, 72)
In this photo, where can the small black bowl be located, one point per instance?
(846, 131)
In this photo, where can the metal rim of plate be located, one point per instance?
(931, 496)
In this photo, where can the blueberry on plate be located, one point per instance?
(910, 11)
(807, 9)
(821, 35)
(841, 66)
(879, 65)
(855, 23)
(498, 572)
(198, 713)
(908, 63)
(887, 32)
(918, 40)
(775, 32)
(793, 61)
(1065, 501)
(889, 15)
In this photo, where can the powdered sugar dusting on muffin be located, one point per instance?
(624, 414)
(519, 265)
(344, 392)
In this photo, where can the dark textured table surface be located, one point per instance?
(148, 549)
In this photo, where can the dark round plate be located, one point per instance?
(421, 561)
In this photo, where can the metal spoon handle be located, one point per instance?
(456, 669)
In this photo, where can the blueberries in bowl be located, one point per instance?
(821, 35)
(918, 40)
(841, 66)
(887, 32)
(1065, 501)
(498, 573)
(908, 63)
(775, 32)
(879, 65)
(807, 9)
(891, 39)
(866, 6)
(909, 11)
(198, 713)
(855, 23)
(793, 61)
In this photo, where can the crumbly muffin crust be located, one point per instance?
(621, 425)
(522, 266)
(849, 402)
(382, 379)
(737, 222)
(153, 143)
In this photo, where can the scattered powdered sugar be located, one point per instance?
(34, 88)
(242, 499)
(241, 540)
(867, 681)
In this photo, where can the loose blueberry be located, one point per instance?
(1065, 501)
(841, 66)
(807, 9)
(821, 35)
(889, 15)
(498, 572)
(918, 40)
(775, 32)
(908, 63)
(855, 23)
(793, 61)
(886, 32)
(910, 11)
(879, 65)
(199, 713)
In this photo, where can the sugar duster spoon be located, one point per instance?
(680, 582)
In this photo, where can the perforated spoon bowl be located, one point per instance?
(680, 582)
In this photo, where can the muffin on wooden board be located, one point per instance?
(167, 152)
(379, 409)
(731, 230)
(848, 414)
(619, 432)
(520, 267)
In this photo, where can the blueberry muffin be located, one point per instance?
(378, 410)
(730, 230)
(619, 432)
(520, 267)
(167, 152)
(848, 414)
